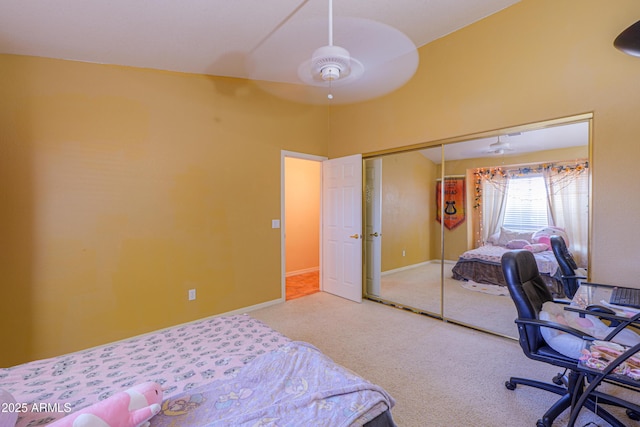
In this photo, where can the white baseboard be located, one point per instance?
(406, 267)
(306, 270)
(229, 313)
(243, 310)
(252, 307)
(409, 267)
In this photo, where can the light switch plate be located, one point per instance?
(275, 223)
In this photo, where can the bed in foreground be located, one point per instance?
(222, 371)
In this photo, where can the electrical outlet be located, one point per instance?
(192, 294)
(404, 253)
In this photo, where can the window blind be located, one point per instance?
(526, 206)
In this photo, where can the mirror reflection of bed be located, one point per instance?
(516, 193)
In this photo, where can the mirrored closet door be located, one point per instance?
(438, 219)
(402, 243)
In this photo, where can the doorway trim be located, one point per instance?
(283, 155)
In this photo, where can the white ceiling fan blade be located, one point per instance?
(371, 42)
(389, 58)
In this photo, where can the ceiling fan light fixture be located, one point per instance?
(499, 147)
(331, 63)
(330, 73)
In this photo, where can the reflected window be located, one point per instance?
(528, 198)
(526, 207)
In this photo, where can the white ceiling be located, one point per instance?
(551, 138)
(213, 37)
(218, 37)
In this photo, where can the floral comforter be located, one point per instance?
(295, 385)
(546, 260)
(179, 358)
(220, 371)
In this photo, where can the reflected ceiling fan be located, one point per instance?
(500, 147)
(370, 59)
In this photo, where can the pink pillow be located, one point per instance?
(129, 408)
(537, 247)
(8, 414)
(517, 244)
(546, 232)
(544, 240)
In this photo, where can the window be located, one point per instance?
(535, 196)
(526, 204)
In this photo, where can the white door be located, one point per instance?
(373, 232)
(342, 227)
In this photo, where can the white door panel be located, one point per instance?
(342, 227)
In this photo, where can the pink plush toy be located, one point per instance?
(131, 408)
(544, 235)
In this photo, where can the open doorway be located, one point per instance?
(302, 186)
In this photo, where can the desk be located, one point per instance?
(603, 361)
(594, 293)
(591, 293)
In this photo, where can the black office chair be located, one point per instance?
(567, 265)
(529, 291)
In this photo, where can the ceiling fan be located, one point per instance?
(370, 59)
(330, 63)
(500, 147)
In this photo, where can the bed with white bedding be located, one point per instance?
(482, 264)
(239, 371)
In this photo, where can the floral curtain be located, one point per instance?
(567, 185)
(490, 202)
(568, 204)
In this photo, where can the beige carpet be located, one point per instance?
(419, 287)
(441, 374)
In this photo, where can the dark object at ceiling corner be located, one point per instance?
(628, 41)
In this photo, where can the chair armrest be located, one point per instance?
(604, 315)
(553, 325)
(618, 322)
(630, 321)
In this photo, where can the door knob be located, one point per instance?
(355, 236)
(374, 234)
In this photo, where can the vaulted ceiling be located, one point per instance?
(209, 36)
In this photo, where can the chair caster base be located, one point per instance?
(558, 379)
(541, 423)
(633, 415)
(510, 385)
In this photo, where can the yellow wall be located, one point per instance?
(536, 60)
(122, 188)
(408, 205)
(302, 213)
